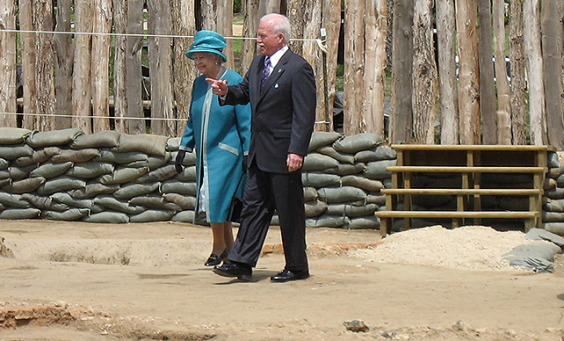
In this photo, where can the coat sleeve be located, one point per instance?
(304, 104)
(187, 141)
(243, 114)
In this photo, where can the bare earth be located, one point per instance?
(79, 281)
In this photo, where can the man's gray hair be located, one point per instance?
(281, 24)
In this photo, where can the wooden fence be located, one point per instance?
(94, 82)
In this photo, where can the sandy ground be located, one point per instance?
(79, 281)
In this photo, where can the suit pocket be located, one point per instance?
(228, 148)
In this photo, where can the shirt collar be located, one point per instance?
(275, 57)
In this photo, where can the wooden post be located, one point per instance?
(134, 47)
(468, 92)
(120, 93)
(503, 102)
(447, 71)
(64, 65)
(354, 67)
(101, 64)
(518, 84)
(28, 64)
(8, 64)
(225, 28)
(424, 74)
(487, 98)
(332, 23)
(81, 84)
(250, 26)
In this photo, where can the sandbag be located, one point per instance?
(189, 158)
(341, 194)
(184, 202)
(15, 151)
(19, 173)
(318, 162)
(92, 190)
(310, 194)
(117, 205)
(24, 186)
(120, 158)
(175, 186)
(149, 216)
(53, 138)
(341, 157)
(38, 157)
(356, 143)
(378, 199)
(315, 208)
(344, 169)
(154, 162)
(377, 170)
(552, 216)
(13, 200)
(376, 154)
(50, 170)
(10, 135)
(90, 170)
(364, 223)
(183, 217)
(537, 256)
(4, 164)
(68, 215)
(82, 155)
(322, 138)
(65, 198)
(128, 191)
(362, 182)
(60, 184)
(351, 210)
(107, 217)
(173, 143)
(44, 203)
(157, 175)
(555, 172)
(20, 213)
(155, 202)
(327, 221)
(555, 205)
(188, 174)
(554, 227)
(540, 234)
(553, 160)
(557, 193)
(318, 180)
(101, 139)
(122, 175)
(146, 143)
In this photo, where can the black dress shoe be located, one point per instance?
(242, 271)
(215, 259)
(287, 275)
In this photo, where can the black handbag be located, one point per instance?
(236, 207)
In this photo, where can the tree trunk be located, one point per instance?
(250, 27)
(8, 64)
(354, 68)
(133, 78)
(552, 54)
(100, 63)
(424, 74)
(160, 66)
(503, 93)
(518, 84)
(534, 71)
(447, 71)
(184, 23)
(63, 68)
(209, 14)
(401, 120)
(82, 94)
(468, 92)
(225, 28)
(28, 64)
(120, 93)
(269, 6)
(486, 83)
(332, 22)
(42, 14)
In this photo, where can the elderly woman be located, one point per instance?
(221, 136)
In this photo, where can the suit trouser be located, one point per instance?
(265, 192)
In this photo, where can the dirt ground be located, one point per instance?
(79, 281)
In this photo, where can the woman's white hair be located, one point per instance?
(280, 24)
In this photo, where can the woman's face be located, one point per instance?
(207, 63)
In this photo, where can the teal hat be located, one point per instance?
(207, 41)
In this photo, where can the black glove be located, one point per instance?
(179, 159)
(245, 164)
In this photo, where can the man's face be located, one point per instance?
(268, 41)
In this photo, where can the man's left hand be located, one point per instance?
(294, 162)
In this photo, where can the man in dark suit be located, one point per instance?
(280, 86)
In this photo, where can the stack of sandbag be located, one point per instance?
(553, 206)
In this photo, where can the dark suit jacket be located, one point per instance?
(283, 112)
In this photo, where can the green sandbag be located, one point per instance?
(149, 216)
(175, 186)
(82, 155)
(128, 191)
(376, 154)
(155, 202)
(189, 158)
(377, 170)
(24, 186)
(356, 143)
(310, 194)
(327, 221)
(90, 170)
(92, 190)
(60, 184)
(38, 157)
(187, 174)
(15, 151)
(50, 170)
(53, 138)
(44, 203)
(4, 164)
(20, 213)
(549, 217)
(154, 162)
(159, 174)
(321, 139)
(107, 217)
(122, 175)
(344, 169)
(341, 157)
(13, 200)
(117, 205)
(65, 198)
(183, 217)
(68, 215)
(341, 194)
(318, 180)
(556, 205)
(146, 143)
(364, 223)
(19, 173)
(315, 208)
(101, 139)
(318, 162)
(362, 182)
(9, 135)
(184, 202)
(120, 158)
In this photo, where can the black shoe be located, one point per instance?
(215, 259)
(287, 275)
(233, 269)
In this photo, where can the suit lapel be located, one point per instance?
(275, 74)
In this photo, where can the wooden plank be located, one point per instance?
(456, 214)
(457, 191)
(462, 169)
(482, 147)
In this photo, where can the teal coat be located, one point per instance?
(221, 140)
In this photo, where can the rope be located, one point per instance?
(94, 116)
